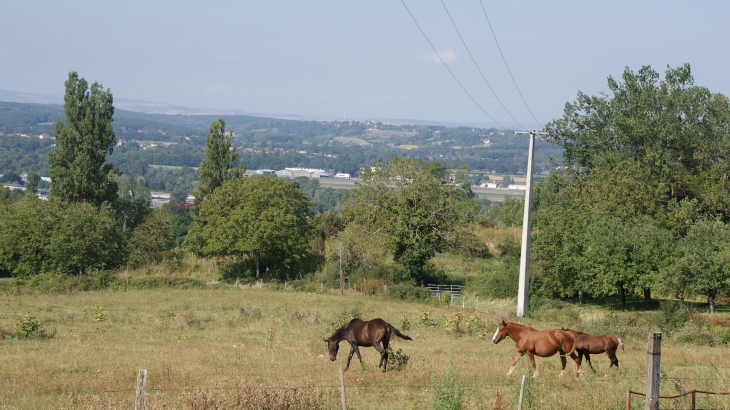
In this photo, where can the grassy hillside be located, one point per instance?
(205, 348)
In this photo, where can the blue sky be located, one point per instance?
(357, 59)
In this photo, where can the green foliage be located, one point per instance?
(674, 315)
(151, 239)
(417, 211)
(77, 164)
(508, 213)
(28, 327)
(407, 291)
(397, 360)
(260, 217)
(500, 283)
(52, 236)
(220, 163)
(449, 391)
(31, 183)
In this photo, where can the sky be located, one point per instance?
(360, 59)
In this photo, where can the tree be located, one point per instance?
(151, 238)
(413, 203)
(220, 162)
(260, 217)
(31, 183)
(678, 131)
(704, 263)
(77, 164)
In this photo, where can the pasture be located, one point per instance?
(204, 347)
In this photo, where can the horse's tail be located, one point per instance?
(397, 332)
(621, 344)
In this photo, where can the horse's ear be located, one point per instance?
(326, 341)
(504, 323)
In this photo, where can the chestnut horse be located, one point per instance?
(535, 342)
(587, 345)
(361, 333)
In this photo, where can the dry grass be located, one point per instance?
(211, 349)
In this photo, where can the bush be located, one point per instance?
(28, 327)
(397, 360)
(407, 291)
(673, 315)
(498, 284)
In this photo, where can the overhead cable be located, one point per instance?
(479, 69)
(506, 65)
(447, 67)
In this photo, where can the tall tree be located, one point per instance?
(78, 168)
(260, 217)
(220, 161)
(415, 204)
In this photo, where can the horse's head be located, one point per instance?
(332, 346)
(501, 332)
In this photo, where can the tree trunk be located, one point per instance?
(581, 297)
(711, 293)
(258, 265)
(622, 291)
(647, 299)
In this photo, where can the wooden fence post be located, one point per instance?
(628, 399)
(522, 391)
(140, 400)
(342, 389)
(653, 358)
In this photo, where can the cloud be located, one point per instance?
(449, 55)
(217, 88)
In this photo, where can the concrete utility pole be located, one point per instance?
(524, 287)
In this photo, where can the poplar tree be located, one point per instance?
(78, 168)
(220, 161)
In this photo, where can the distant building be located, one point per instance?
(488, 185)
(515, 186)
(266, 172)
(341, 175)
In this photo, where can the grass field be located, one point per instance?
(203, 347)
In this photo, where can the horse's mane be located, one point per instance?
(521, 325)
(342, 329)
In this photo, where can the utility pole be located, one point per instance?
(524, 286)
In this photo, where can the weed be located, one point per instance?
(426, 319)
(397, 360)
(405, 324)
(98, 313)
(452, 322)
(448, 392)
(28, 327)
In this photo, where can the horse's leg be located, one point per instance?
(588, 359)
(357, 352)
(514, 362)
(612, 356)
(563, 362)
(383, 355)
(534, 366)
(385, 349)
(577, 362)
(349, 357)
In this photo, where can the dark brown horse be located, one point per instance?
(375, 333)
(587, 345)
(535, 342)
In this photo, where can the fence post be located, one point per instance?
(692, 398)
(463, 302)
(342, 389)
(653, 358)
(522, 391)
(628, 399)
(140, 400)
(476, 305)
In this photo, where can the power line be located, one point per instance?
(506, 65)
(477, 65)
(447, 67)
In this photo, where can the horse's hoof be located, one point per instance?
(561, 373)
(535, 375)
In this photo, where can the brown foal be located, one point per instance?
(375, 333)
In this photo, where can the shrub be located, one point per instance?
(673, 315)
(407, 291)
(28, 327)
(501, 283)
(397, 360)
